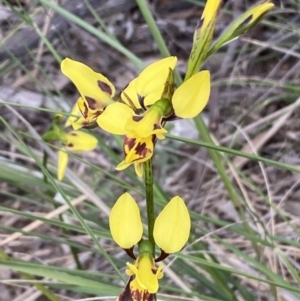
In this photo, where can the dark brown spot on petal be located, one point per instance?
(137, 118)
(130, 142)
(141, 149)
(104, 87)
(73, 134)
(70, 145)
(92, 103)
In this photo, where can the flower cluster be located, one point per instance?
(139, 113)
(144, 105)
(171, 232)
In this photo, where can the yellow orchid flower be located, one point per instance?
(151, 88)
(74, 141)
(96, 90)
(136, 151)
(125, 121)
(150, 83)
(140, 130)
(171, 232)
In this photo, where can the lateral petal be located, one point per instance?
(172, 226)
(192, 96)
(125, 222)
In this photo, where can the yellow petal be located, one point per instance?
(79, 141)
(114, 118)
(154, 76)
(62, 164)
(93, 87)
(172, 226)
(125, 222)
(192, 96)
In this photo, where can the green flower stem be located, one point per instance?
(205, 135)
(163, 49)
(44, 290)
(149, 201)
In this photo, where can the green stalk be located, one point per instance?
(149, 200)
(163, 49)
(44, 290)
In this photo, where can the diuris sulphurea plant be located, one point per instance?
(139, 113)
